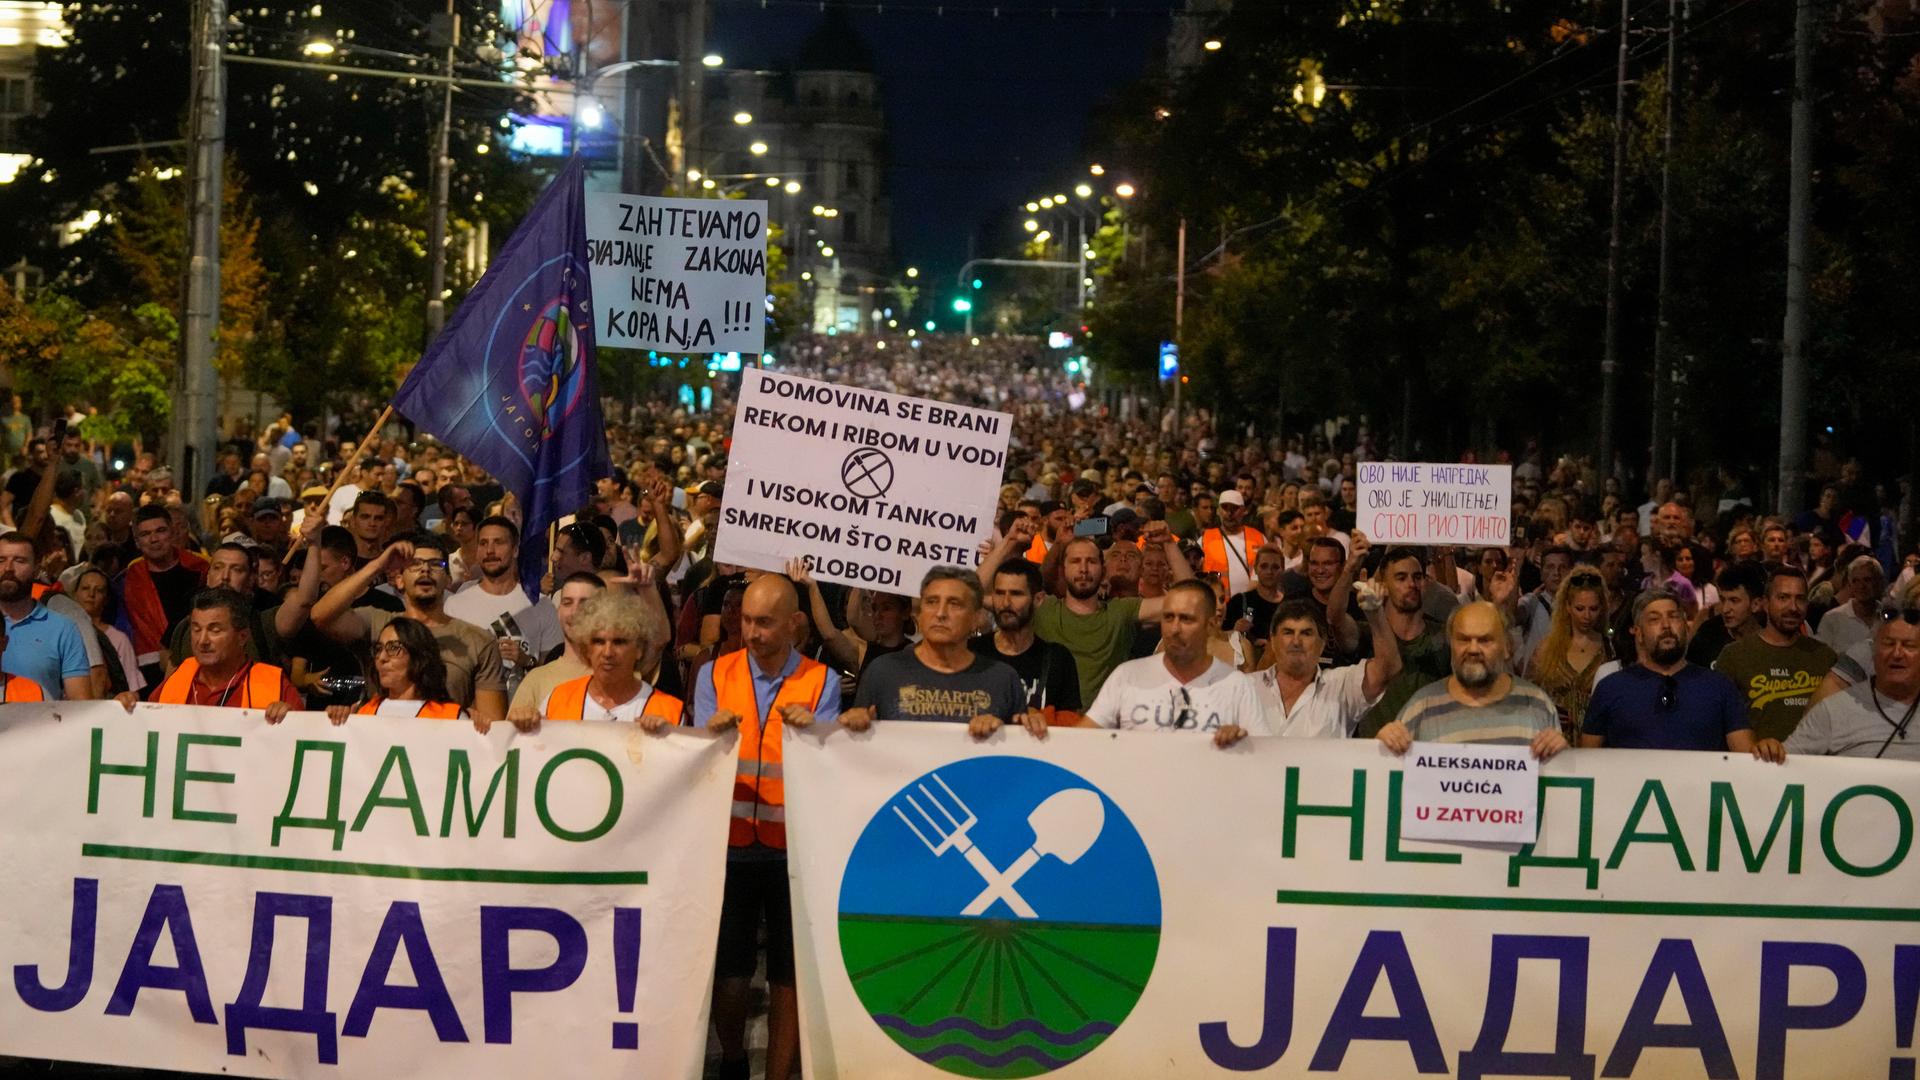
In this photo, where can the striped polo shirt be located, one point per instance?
(1432, 715)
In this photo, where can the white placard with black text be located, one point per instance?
(1425, 502)
(1475, 793)
(678, 275)
(873, 489)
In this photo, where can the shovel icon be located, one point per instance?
(1065, 825)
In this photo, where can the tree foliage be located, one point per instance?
(1399, 210)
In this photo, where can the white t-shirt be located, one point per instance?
(342, 502)
(1143, 695)
(628, 710)
(1329, 708)
(539, 623)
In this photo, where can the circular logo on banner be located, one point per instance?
(999, 917)
(867, 473)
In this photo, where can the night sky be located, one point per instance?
(982, 113)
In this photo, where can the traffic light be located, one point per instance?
(962, 305)
(977, 283)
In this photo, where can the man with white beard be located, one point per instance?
(1481, 702)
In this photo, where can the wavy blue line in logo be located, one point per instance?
(545, 347)
(999, 917)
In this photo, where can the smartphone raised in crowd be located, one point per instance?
(1093, 526)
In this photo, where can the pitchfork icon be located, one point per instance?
(1064, 825)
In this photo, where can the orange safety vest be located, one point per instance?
(759, 791)
(428, 710)
(261, 687)
(20, 689)
(1037, 551)
(569, 702)
(1214, 552)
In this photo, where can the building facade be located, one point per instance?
(819, 125)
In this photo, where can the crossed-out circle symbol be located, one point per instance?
(867, 473)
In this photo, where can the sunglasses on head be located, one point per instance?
(1910, 615)
(1585, 577)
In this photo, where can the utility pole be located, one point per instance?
(1610, 358)
(442, 171)
(1179, 316)
(1663, 425)
(193, 437)
(1793, 343)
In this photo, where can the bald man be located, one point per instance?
(761, 689)
(1481, 702)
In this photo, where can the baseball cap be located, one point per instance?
(263, 507)
(711, 489)
(1230, 497)
(315, 491)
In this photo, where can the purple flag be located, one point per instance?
(510, 382)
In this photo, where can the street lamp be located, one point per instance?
(913, 271)
(1030, 225)
(1046, 203)
(318, 47)
(712, 60)
(1085, 191)
(1211, 44)
(592, 115)
(1097, 169)
(1033, 208)
(757, 149)
(743, 118)
(1125, 191)
(773, 181)
(791, 187)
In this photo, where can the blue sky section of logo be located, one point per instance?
(999, 917)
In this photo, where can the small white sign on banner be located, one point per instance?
(678, 275)
(871, 488)
(1483, 794)
(1422, 502)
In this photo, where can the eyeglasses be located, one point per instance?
(389, 648)
(1669, 692)
(1910, 615)
(430, 564)
(1184, 714)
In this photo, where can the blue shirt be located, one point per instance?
(1706, 706)
(766, 686)
(46, 648)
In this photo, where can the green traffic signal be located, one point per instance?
(962, 305)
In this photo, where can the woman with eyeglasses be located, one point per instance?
(412, 677)
(1574, 648)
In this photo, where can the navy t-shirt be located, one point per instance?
(1625, 710)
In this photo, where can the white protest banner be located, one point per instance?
(1144, 905)
(872, 488)
(191, 889)
(1422, 502)
(678, 275)
(1481, 794)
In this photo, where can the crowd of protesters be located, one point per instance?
(1145, 573)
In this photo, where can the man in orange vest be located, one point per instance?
(1230, 548)
(761, 689)
(219, 673)
(15, 689)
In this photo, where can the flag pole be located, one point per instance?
(341, 477)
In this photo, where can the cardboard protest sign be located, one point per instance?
(871, 488)
(1483, 794)
(678, 275)
(1419, 502)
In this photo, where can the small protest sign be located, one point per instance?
(872, 488)
(1488, 794)
(1419, 502)
(678, 275)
